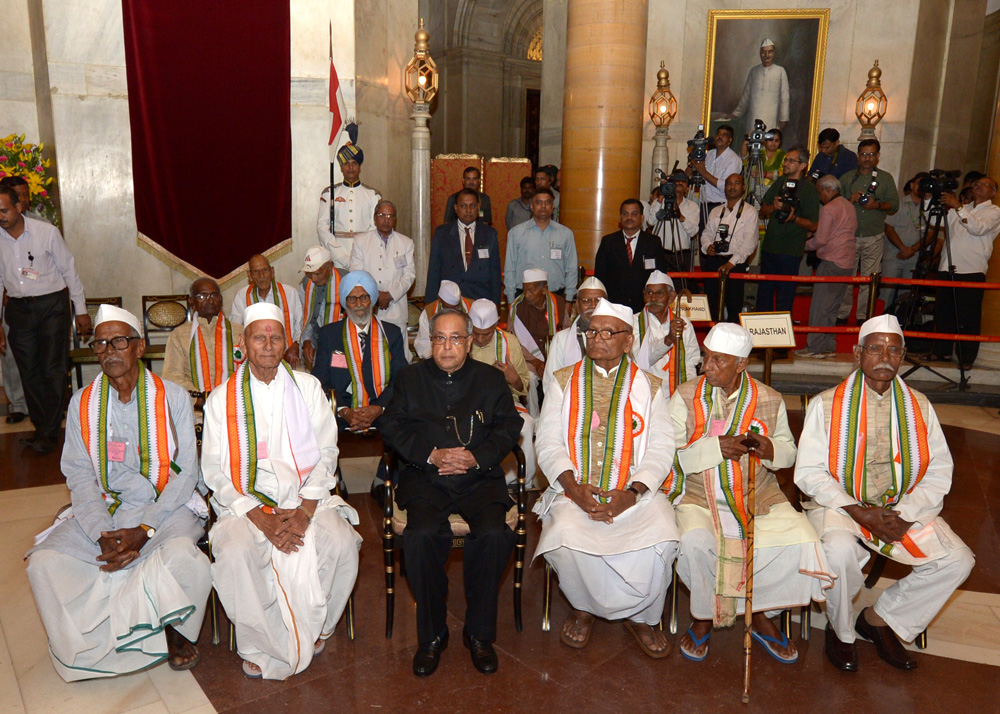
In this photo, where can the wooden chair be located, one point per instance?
(395, 526)
(161, 314)
(82, 354)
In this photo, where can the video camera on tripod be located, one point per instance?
(939, 182)
(755, 139)
(668, 191)
(697, 151)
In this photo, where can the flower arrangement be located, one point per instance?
(25, 160)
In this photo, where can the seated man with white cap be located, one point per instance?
(605, 444)
(534, 317)
(449, 296)
(655, 331)
(319, 294)
(569, 345)
(359, 356)
(501, 349)
(713, 418)
(877, 484)
(285, 557)
(119, 582)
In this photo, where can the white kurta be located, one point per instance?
(240, 305)
(765, 96)
(280, 603)
(909, 605)
(652, 354)
(612, 570)
(391, 264)
(790, 568)
(355, 213)
(564, 350)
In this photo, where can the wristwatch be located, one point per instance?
(150, 531)
(634, 490)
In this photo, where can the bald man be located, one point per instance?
(264, 288)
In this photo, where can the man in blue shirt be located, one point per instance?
(833, 158)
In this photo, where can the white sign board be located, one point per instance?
(769, 329)
(696, 310)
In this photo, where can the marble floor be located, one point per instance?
(372, 673)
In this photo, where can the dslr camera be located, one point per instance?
(757, 137)
(721, 242)
(938, 182)
(789, 196)
(869, 195)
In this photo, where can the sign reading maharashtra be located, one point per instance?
(769, 329)
(696, 310)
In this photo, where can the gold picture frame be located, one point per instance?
(733, 49)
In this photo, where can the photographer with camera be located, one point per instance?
(727, 244)
(792, 206)
(675, 232)
(833, 158)
(971, 232)
(719, 163)
(873, 193)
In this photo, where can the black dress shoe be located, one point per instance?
(43, 446)
(484, 657)
(27, 441)
(843, 655)
(425, 661)
(16, 417)
(886, 643)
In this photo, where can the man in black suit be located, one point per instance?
(470, 180)
(626, 258)
(452, 420)
(465, 251)
(360, 376)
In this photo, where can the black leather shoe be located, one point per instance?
(43, 446)
(484, 657)
(425, 661)
(843, 655)
(27, 441)
(16, 417)
(886, 643)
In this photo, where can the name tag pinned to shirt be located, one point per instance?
(400, 261)
(649, 263)
(718, 427)
(116, 451)
(29, 273)
(555, 253)
(338, 360)
(261, 449)
(484, 253)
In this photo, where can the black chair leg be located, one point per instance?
(547, 605)
(786, 623)
(921, 640)
(805, 622)
(350, 618)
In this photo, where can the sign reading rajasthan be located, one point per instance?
(769, 329)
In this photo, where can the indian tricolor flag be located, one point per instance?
(336, 106)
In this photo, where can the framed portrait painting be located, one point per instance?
(767, 65)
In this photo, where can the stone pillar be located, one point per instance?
(420, 193)
(661, 156)
(603, 112)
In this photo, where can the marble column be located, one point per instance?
(991, 301)
(603, 112)
(420, 193)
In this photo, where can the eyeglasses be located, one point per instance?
(359, 299)
(455, 340)
(789, 160)
(206, 296)
(385, 215)
(120, 343)
(877, 349)
(605, 334)
(869, 153)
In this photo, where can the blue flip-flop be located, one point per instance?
(697, 643)
(768, 641)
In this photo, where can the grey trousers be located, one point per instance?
(870, 261)
(823, 309)
(12, 380)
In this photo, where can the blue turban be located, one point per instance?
(353, 280)
(351, 150)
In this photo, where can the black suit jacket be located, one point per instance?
(426, 407)
(481, 280)
(625, 282)
(331, 340)
(485, 209)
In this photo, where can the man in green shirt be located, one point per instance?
(781, 252)
(873, 193)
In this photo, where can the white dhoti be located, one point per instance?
(281, 604)
(104, 624)
(907, 606)
(527, 444)
(789, 566)
(613, 570)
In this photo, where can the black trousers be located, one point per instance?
(426, 545)
(39, 339)
(969, 304)
(734, 288)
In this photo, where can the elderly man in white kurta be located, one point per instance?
(765, 94)
(605, 443)
(285, 557)
(568, 345)
(388, 256)
(119, 582)
(655, 346)
(713, 417)
(875, 462)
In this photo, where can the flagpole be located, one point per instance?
(333, 175)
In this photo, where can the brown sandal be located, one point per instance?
(582, 621)
(633, 627)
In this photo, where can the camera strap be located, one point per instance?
(739, 212)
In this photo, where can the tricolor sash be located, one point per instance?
(675, 356)
(157, 438)
(380, 361)
(280, 300)
(437, 306)
(331, 307)
(625, 424)
(849, 441)
(551, 311)
(206, 374)
(502, 346)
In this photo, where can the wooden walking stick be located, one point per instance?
(678, 377)
(751, 444)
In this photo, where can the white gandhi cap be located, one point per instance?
(262, 311)
(484, 314)
(610, 309)
(449, 292)
(882, 323)
(658, 277)
(592, 283)
(767, 43)
(729, 339)
(110, 313)
(534, 275)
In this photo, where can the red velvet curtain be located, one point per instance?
(209, 106)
